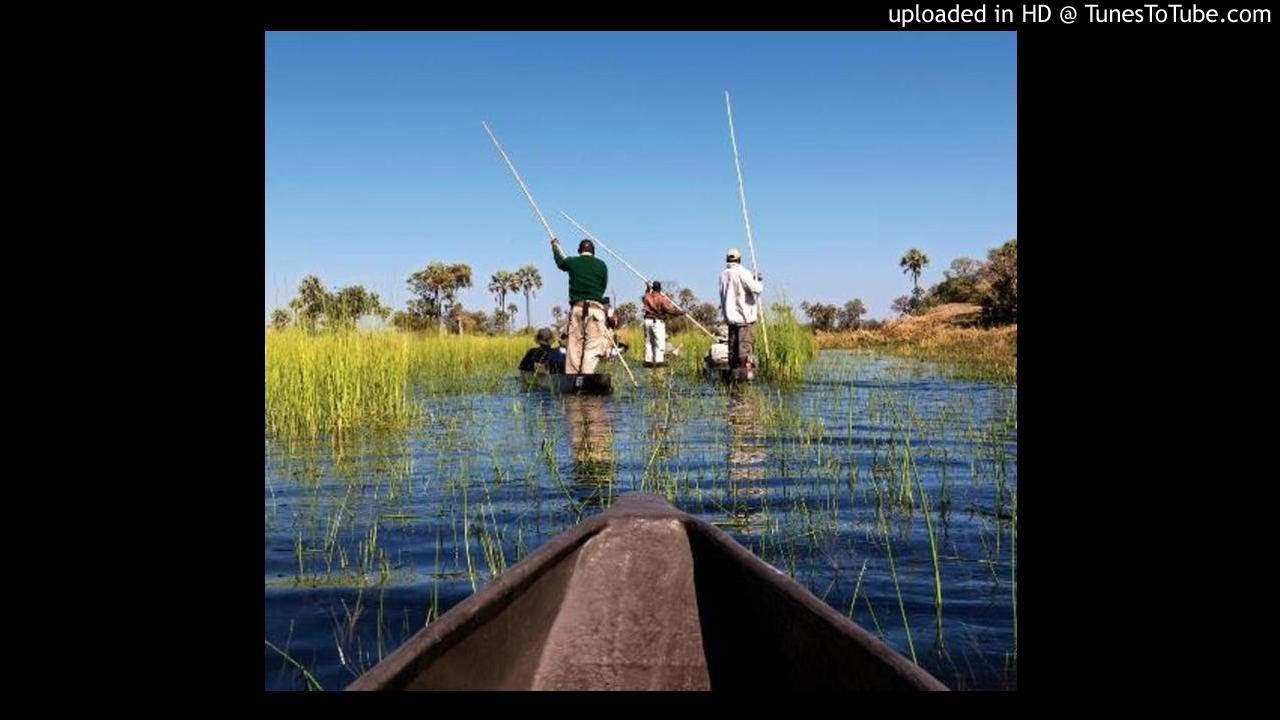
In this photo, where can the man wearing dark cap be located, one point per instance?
(544, 355)
(658, 308)
(588, 277)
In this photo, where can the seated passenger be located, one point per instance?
(551, 360)
(718, 353)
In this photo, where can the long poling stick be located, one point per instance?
(640, 275)
(550, 234)
(503, 153)
(609, 335)
(742, 197)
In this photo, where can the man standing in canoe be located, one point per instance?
(739, 294)
(658, 308)
(588, 277)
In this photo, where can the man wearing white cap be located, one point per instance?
(739, 294)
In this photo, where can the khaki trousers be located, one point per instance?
(587, 339)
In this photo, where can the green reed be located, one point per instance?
(334, 382)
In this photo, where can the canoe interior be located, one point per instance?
(644, 597)
(592, 384)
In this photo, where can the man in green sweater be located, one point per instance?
(588, 276)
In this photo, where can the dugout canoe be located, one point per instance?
(644, 597)
(726, 374)
(588, 384)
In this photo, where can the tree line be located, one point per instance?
(433, 303)
(993, 285)
(315, 306)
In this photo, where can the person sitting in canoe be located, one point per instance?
(543, 354)
(616, 346)
(718, 353)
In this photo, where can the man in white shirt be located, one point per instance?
(739, 297)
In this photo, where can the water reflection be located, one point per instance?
(747, 455)
(590, 439)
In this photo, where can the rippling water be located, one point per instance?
(367, 539)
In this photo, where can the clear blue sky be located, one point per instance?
(854, 147)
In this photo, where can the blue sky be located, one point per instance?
(854, 147)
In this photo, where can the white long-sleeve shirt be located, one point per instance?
(739, 292)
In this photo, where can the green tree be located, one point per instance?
(914, 261)
(457, 315)
(513, 287)
(476, 321)
(557, 314)
(962, 283)
(512, 309)
(408, 320)
(311, 302)
(436, 288)
(706, 314)
(351, 303)
(821, 315)
(901, 305)
(280, 318)
(498, 284)
(627, 313)
(685, 298)
(501, 318)
(850, 314)
(530, 281)
(1000, 305)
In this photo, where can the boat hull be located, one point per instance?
(592, 384)
(644, 597)
(727, 374)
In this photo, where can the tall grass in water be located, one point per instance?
(335, 382)
(790, 347)
(463, 363)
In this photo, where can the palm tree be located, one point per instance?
(513, 286)
(512, 309)
(913, 262)
(498, 283)
(530, 282)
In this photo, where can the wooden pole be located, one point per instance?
(742, 198)
(543, 220)
(503, 153)
(609, 335)
(640, 275)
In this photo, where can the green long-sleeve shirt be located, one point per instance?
(588, 276)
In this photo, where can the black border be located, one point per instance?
(1131, 139)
